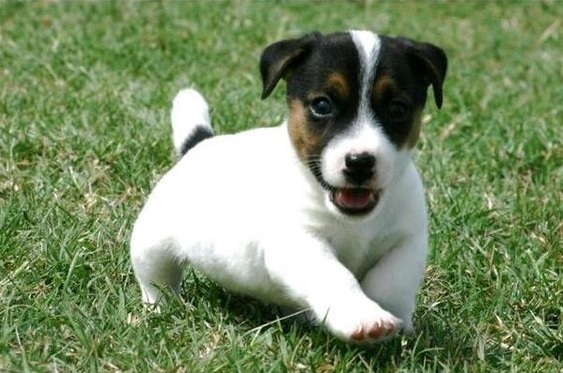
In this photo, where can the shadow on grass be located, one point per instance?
(433, 342)
(203, 302)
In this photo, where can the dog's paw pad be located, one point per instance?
(374, 332)
(358, 334)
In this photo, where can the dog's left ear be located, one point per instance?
(433, 63)
(278, 59)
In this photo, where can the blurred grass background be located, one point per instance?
(85, 91)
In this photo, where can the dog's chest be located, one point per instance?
(358, 247)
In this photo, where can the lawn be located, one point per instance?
(85, 92)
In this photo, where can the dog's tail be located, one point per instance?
(191, 123)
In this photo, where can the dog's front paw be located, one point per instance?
(363, 324)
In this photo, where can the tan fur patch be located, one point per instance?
(337, 82)
(414, 133)
(303, 140)
(383, 84)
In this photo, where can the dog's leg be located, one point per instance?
(394, 281)
(156, 267)
(154, 257)
(309, 273)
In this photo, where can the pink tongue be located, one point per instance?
(357, 198)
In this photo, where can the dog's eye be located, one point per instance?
(321, 107)
(398, 110)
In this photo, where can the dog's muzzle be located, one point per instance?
(356, 199)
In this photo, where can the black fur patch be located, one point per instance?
(409, 67)
(198, 135)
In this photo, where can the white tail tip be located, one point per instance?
(189, 111)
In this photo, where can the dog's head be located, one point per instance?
(355, 102)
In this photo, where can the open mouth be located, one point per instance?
(354, 201)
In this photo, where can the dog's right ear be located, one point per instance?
(278, 59)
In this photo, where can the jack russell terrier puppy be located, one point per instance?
(325, 212)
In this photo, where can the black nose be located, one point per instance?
(359, 167)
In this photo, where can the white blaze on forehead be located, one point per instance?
(368, 45)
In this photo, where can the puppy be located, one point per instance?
(325, 212)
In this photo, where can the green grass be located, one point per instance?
(85, 90)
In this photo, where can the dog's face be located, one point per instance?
(355, 103)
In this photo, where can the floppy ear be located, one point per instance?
(278, 58)
(433, 63)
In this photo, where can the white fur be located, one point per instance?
(244, 210)
(189, 109)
